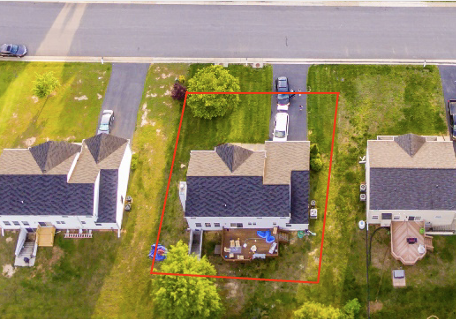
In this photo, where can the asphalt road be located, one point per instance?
(123, 96)
(142, 30)
(297, 77)
(448, 77)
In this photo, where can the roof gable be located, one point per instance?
(232, 155)
(410, 143)
(103, 145)
(50, 154)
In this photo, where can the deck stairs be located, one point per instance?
(284, 237)
(78, 235)
(428, 243)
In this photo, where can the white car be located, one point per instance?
(107, 120)
(281, 127)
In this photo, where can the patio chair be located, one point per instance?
(226, 249)
(238, 243)
(232, 243)
(231, 255)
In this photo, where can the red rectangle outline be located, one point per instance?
(326, 201)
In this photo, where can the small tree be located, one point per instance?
(213, 78)
(315, 310)
(186, 297)
(178, 92)
(45, 84)
(314, 150)
(352, 308)
(316, 164)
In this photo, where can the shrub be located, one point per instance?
(316, 164)
(213, 78)
(314, 150)
(134, 161)
(182, 78)
(178, 92)
(45, 84)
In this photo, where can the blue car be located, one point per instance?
(13, 50)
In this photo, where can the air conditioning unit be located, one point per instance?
(362, 187)
(362, 197)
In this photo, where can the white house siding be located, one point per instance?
(367, 168)
(247, 222)
(70, 222)
(435, 217)
(96, 195)
(124, 174)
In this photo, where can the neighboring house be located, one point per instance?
(411, 183)
(248, 186)
(79, 186)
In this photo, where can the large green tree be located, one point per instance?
(181, 297)
(315, 310)
(213, 78)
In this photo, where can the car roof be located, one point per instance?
(105, 118)
(282, 78)
(281, 120)
(452, 106)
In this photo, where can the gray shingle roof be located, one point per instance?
(235, 196)
(103, 145)
(107, 206)
(232, 155)
(300, 197)
(412, 189)
(44, 195)
(50, 154)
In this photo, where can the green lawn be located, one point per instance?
(26, 120)
(374, 100)
(68, 276)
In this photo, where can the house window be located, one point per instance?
(397, 217)
(42, 223)
(274, 224)
(16, 223)
(288, 225)
(375, 217)
(58, 222)
(216, 224)
(83, 222)
(233, 224)
(438, 216)
(7, 223)
(98, 224)
(411, 218)
(121, 199)
(62, 222)
(240, 225)
(259, 217)
(418, 218)
(207, 224)
(254, 223)
(387, 216)
(250, 224)
(198, 224)
(25, 223)
(64, 216)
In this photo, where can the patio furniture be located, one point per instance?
(236, 250)
(253, 248)
(231, 255)
(263, 234)
(240, 256)
(238, 243)
(412, 240)
(421, 249)
(232, 243)
(274, 231)
(226, 249)
(270, 239)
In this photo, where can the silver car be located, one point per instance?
(107, 120)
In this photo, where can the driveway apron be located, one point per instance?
(123, 96)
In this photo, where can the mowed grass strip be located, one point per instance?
(67, 277)
(374, 100)
(70, 113)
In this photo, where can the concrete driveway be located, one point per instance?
(448, 76)
(297, 77)
(123, 96)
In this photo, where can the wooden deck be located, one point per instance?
(401, 250)
(246, 238)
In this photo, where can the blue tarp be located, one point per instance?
(161, 252)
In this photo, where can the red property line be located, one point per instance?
(169, 182)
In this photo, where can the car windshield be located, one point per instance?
(104, 127)
(14, 48)
(279, 134)
(283, 96)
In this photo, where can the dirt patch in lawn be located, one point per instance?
(8, 270)
(30, 141)
(375, 306)
(81, 98)
(144, 119)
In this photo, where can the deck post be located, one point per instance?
(3, 232)
(118, 232)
